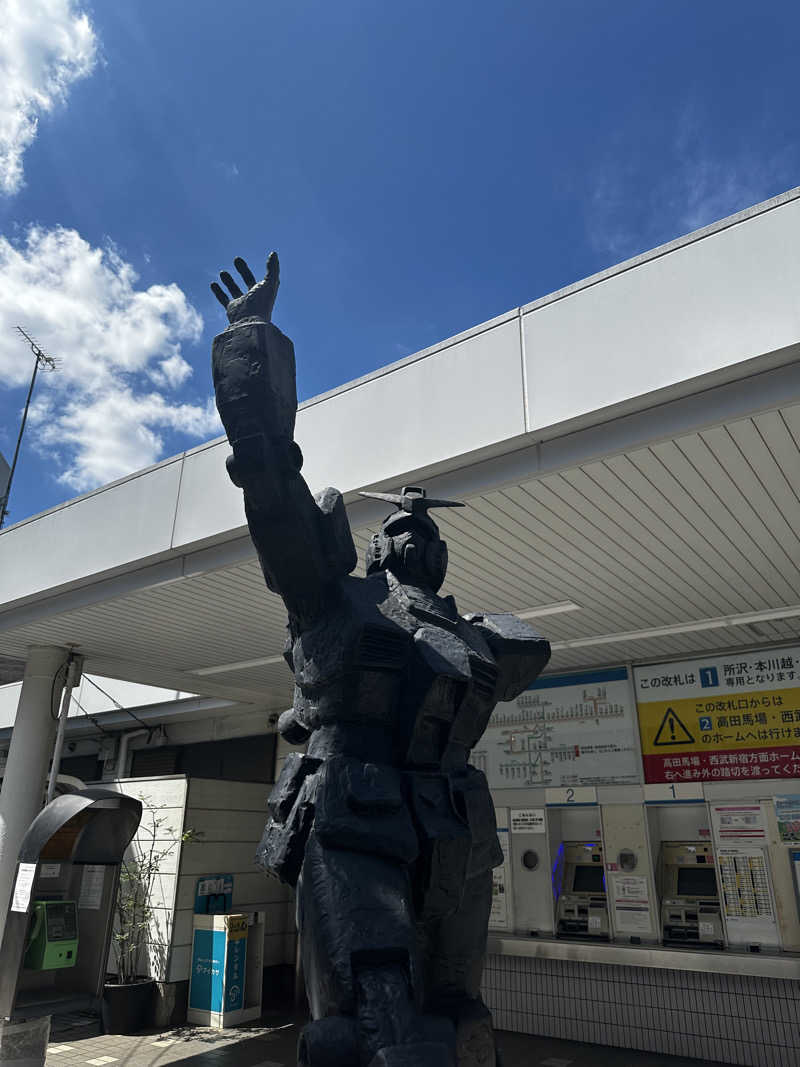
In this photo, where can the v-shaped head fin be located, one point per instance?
(413, 500)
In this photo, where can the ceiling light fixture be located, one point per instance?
(242, 665)
(716, 623)
(548, 609)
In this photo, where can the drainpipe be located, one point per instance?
(122, 754)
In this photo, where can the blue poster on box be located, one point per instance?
(208, 958)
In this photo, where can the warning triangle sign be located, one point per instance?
(672, 731)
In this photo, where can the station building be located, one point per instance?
(629, 451)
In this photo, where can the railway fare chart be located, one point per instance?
(566, 730)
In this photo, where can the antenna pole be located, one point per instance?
(48, 361)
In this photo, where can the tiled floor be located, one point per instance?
(273, 1041)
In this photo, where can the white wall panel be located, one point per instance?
(208, 503)
(227, 796)
(459, 399)
(714, 302)
(89, 536)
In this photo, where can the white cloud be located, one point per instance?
(628, 212)
(45, 46)
(103, 414)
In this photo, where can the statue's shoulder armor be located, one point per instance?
(520, 653)
(336, 537)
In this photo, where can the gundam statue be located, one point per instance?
(383, 826)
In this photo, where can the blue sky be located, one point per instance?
(420, 168)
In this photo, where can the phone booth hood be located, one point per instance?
(78, 833)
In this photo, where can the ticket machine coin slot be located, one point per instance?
(582, 909)
(690, 906)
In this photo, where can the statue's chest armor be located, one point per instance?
(393, 654)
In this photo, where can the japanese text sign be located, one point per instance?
(721, 718)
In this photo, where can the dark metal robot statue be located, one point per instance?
(383, 826)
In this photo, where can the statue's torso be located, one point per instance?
(391, 673)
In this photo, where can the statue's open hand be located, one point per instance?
(258, 301)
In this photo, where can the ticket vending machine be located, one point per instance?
(690, 907)
(58, 928)
(677, 825)
(575, 838)
(582, 906)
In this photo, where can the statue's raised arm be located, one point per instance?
(303, 542)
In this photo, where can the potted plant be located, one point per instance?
(127, 995)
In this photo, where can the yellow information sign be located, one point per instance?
(721, 718)
(237, 926)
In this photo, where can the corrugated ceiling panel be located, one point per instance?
(587, 552)
(732, 510)
(705, 541)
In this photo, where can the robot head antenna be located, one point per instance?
(413, 500)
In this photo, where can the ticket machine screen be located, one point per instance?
(588, 879)
(697, 882)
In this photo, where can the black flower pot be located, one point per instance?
(126, 1008)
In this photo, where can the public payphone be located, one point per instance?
(582, 907)
(58, 928)
(52, 936)
(690, 907)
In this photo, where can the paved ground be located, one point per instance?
(272, 1043)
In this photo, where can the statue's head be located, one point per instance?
(408, 543)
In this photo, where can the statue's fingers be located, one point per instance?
(272, 278)
(231, 285)
(220, 294)
(247, 275)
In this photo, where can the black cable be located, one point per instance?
(63, 667)
(92, 719)
(116, 703)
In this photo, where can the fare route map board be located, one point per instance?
(721, 718)
(566, 730)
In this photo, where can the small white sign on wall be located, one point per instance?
(528, 821)
(92, 882)
(26, 872)
(500, 915)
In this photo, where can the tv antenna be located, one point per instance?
(48, 363)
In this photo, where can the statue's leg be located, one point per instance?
(455, 948)
(362, 977)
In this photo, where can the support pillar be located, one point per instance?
(29, 755)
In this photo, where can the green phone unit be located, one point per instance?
(53, 937)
